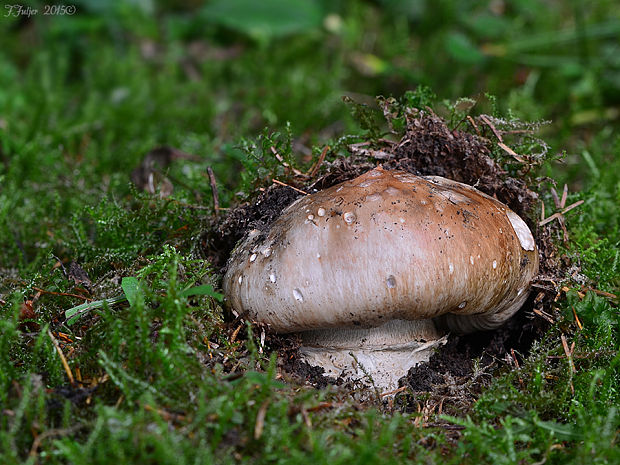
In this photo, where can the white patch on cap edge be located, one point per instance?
(521, 230)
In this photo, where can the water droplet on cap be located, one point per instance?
(298, 295)
(349, 217)
(391, 282)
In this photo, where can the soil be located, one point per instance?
(427, 147)
(454, 362)
(219, 241)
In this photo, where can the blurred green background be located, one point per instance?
(128, 74)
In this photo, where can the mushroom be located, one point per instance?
(374, 272)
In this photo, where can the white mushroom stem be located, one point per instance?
(384, 353)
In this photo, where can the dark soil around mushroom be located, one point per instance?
(465, 364)
(427, 147)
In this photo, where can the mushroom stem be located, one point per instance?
(384, 353)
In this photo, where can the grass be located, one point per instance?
(159, 378)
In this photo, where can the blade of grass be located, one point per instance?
(546, 39)
(131, 288)
(204, 289)
(74, 313)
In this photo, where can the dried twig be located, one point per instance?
(286, 185)
(260, 420)
(561, 213)
(63, 360)
(395, 391)
(544, 315)
(576, 318)
(609, 295)
(564, 195)
(567, 289)
(556, 199)
(473, 123)
(315, 169)
(559, 216)
(285, 164)
(234, 334)
(216, 200)
(487, 121)
(43, 291)
(511, 152)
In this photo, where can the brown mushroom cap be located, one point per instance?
(387, 245)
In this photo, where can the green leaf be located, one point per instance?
(461, 48)
(205, 289)
(131, 288)
(265, 19)
(74, 313)
(561, 431)
(487, 25)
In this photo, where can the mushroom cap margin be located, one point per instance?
(386, 245)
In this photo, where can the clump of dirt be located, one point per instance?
(427, 146)
(455, 364)
(306, 373)
(220, 240)
(430, 148)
